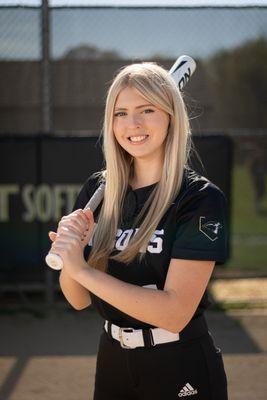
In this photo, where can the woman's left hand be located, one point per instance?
(69, 244)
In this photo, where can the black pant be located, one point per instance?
(190, 369)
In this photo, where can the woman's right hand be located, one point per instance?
(80, 222)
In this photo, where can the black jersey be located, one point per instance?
(193, 228)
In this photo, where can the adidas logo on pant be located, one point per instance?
(187, 391)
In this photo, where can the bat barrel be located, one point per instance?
(182, 70)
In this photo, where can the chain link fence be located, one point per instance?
(85, 46)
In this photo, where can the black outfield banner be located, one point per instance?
(40, 178)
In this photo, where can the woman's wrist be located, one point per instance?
(83, 271)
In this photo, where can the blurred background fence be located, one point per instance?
(57, 61)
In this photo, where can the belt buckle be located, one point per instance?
(124, 346)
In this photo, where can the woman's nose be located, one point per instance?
(133, 121)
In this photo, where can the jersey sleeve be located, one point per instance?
(202, 226)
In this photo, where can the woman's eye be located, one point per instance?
(122, 113)
(148, 110)
(118, 114)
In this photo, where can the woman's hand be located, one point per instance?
(73, 234)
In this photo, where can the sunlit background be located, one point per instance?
(57, 60)
(90, 40)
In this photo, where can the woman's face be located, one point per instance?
(139, 127)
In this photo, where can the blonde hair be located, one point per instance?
(157, 87)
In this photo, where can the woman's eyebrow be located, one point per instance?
(143, 105)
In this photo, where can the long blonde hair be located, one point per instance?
(157, 87)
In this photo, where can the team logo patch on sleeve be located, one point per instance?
(209, 228)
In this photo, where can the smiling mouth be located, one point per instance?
(138, 139)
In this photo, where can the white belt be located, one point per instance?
(130, 338)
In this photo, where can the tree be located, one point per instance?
(239, 78)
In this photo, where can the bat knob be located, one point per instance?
(54, 261)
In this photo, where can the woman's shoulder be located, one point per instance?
(94, 180)
(199, 194)
(194, 183)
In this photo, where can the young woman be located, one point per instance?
(145, 259)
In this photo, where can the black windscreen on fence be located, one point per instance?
(40, 179)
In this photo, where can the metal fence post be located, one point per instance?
(46, 115)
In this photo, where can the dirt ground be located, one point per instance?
(52, 357)
(244, 290)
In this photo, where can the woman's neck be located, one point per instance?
(146, 173)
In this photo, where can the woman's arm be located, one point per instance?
(170, 309)
(76, 294)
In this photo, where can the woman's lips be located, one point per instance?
(140, 141)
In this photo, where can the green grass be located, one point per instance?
(220, 306)
(249, 258)
(246, 224)
(245, 220)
